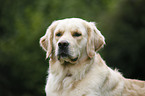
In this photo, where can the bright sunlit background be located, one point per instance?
(23, 68)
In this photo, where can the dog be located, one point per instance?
(75, 66)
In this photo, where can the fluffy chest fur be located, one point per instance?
(86, 79)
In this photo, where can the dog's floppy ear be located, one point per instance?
(95, 39)
(46, 40)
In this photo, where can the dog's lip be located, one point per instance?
(75, 59)
(63, 55)
(67, 58)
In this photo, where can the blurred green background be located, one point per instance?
(23, 68)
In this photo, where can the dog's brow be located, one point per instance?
(75, 30)
(60, 30)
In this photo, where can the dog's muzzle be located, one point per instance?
(63, 49)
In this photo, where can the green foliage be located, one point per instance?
(125, 39)
(23, 68)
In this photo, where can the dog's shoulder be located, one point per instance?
(134, 88)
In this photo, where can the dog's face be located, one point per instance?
(72, 39)
(69, 40)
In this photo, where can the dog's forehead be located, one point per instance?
(71, 25)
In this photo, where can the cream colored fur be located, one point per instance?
(88, 75)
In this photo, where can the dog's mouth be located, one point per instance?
(75, 59)
(64, 55)
(67, 58)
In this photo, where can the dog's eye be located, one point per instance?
(76, 34)
(59, 34)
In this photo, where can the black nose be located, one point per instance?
(63, 44)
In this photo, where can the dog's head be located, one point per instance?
(72, 39)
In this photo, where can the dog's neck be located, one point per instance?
(66, 75)
(56, 64)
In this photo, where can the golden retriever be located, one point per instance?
(75, 69)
